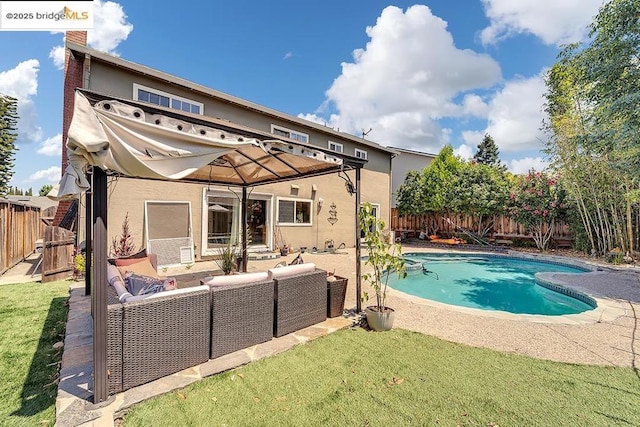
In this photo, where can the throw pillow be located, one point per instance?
(143, 268)
(123, 262)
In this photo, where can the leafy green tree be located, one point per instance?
(488, 153)
(15, 191)
(593, 103)
(538, 201)
(8, 135)
(430, 191)
(410, 198)
(481, 192)
(45, 190)
(29, 192)
(439, 179)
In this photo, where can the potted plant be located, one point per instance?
(227, 258)
(385, 258)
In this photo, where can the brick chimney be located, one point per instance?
(73, 78)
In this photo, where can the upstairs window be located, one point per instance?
(164, 99)
(288, 133)
(361, 154)
(335, 146)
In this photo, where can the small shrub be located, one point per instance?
(226, 259)
(123, 245)
(79, 265)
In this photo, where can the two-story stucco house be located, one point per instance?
(310, 212)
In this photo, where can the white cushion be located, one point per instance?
(115, 279)
(236, 279)
(291, 270)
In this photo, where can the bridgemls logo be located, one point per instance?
(46, 15)
(71, 14)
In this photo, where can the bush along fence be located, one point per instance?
(20, 227)
(504, 230)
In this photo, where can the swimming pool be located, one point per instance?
(487, 282)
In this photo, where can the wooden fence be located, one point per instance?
(503, 227)
(57, 254)
(20, 227)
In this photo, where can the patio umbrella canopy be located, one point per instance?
(126, 139)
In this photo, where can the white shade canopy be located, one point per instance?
(137, 140)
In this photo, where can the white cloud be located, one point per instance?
(523, 166)
(287, 55)
(21, 82)
(110, 26)
(57, 55)
(51, 146)
(472, 137)
(474, 105)
(553, 21)
(406, 78)
(464, 151)
(514, 116)
(51, 174)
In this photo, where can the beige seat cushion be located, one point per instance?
(291, 270)
(236, 279)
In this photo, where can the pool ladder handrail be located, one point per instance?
(426, 271)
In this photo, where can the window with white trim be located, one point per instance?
(361, 154)
(164, 99)
(335, 146)
(375, 210)
(288, 133)
(294, 211)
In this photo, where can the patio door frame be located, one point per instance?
(224, 192)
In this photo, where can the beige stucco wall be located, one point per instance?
(128, 196)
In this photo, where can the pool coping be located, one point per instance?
(605, 310)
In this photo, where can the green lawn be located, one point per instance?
(32, 319)
(399, 378)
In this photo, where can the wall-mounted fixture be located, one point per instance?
(333, 214)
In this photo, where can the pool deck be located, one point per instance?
(608, 335)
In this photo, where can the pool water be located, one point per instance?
(488, 283)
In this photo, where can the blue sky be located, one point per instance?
(418, 74)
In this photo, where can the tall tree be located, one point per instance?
(8, 135)
(45, 190)
(488, 153)
(410, 197)
(593, 103)
(480, 191)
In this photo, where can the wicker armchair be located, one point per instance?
(300, 301)
(241, 316)
(156, 337)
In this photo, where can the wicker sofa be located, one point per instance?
(170, 331)
(300, 297)
(241, 312)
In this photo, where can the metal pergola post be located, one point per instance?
(244, 229)
(358, 266)
(99, 290)
(88, 246)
